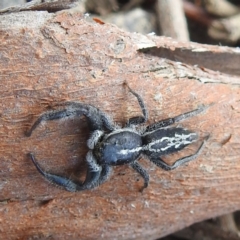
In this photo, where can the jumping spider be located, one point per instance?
(110, 145)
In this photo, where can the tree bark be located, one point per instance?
(49, 58)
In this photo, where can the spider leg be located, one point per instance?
(96, 118)
(137, 167)
(93, 174)
(47, 116)
(105, 174)
(170, 121)
(138, 119)
(58, 180)
(160, 163)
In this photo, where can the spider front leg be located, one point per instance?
(92, 178)
(105, 174)
(93, 172)
(179, 118)
(139, 119)
(96, 118)
(160, 163)
(58, 180)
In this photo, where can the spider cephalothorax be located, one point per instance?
(110, 145)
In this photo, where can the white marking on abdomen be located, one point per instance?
(176, 141)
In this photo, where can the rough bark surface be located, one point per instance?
(48, 58)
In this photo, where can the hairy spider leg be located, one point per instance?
(105, 174)
(170, 121)
(94, 115)
(93, 174)
(93, 171)
(138, 168)
(96, 118)
(50, 115)
(160, 163)
(138, 119)
(58, 180)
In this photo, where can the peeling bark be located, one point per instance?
(49, 58)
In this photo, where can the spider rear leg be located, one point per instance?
(179, 118)
(137, 167)
(139, 119)
(160, 163)
(92, 178)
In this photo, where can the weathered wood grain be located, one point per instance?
(48, 58)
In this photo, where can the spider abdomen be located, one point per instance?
(119, 148)
(167, 140)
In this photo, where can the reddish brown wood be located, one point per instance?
(49, 58)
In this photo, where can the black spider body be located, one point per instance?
(119, 147)
(166, 141)
(110, 145)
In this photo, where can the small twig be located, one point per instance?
(172, 19)
(196, 13)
